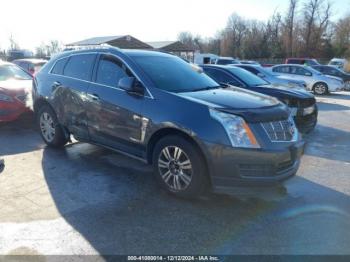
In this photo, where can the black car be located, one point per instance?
(334, 71)
(301, 103)
(161, 110)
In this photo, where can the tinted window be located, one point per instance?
(110, 71)
(173, 74)
(221, 77)
(247, 77)
(250, 69)
(79, 66)
(299, 71)
(59, 66)
(281, 69)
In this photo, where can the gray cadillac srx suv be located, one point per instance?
(157, 108)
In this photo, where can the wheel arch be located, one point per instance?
(168, 131)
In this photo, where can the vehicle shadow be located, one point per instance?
(115, 204)
(329, 143)
(344, 95)
(19, 136)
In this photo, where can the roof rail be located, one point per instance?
(87, 47)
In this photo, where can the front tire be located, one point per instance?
(50, 130)
(320, 89)
(179, 167)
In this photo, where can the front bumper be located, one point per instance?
(11, 111)
(249, 169)
(306, 123)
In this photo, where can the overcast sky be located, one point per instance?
(35, 21)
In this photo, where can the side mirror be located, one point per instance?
(261, 75)
(308, 74)
(131, 85)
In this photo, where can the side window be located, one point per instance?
(79, 66)
(300, 71)
(221, 77)
(110, 71)
(59, 66)
(282, 69)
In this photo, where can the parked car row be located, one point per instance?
(315, 81)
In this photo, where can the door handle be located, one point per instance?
(94, 97)
(55, 84)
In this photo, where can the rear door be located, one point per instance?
(114, 115)
(70, 79)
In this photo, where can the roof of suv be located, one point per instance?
(128, 52)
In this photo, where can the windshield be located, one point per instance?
(13, 72)
(337, 63)
(265, 71)
(174, 75)
(248, 78)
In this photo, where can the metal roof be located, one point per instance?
(96, 40)
(161, 44)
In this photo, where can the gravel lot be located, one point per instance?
(88, 200)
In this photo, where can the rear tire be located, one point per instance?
(179, 167)
(320, 89)
(50, 130)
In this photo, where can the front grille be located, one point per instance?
(254, 170)
(280, 131)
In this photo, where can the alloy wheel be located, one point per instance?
(320, 89)
(175, 168)
(47, 127)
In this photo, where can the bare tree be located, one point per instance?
(289, 26)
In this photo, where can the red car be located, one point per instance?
(15, 91)
(302, 61)
(31, 65)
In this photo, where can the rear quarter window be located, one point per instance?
(59, 66)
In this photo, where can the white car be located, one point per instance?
(340, 63)
(315, 81)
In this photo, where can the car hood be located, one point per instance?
(280, 91)
(13, 86)
(252, 106)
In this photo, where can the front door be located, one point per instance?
(114, 116)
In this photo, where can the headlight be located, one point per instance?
(5, 98)
(237, 129)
